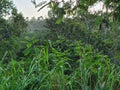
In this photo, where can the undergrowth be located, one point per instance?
(77, 67)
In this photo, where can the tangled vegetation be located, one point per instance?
(71, 50)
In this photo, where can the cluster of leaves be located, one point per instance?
(5, 29)
(114, 5)
(18, 22)
(5, 7)
(88, 30)
(63, 8)
(11, 28)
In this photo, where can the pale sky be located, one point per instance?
(28, 9)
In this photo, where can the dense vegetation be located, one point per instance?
(71, 50)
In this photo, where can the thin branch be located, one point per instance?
(44, 6)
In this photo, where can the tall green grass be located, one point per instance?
(53, 69)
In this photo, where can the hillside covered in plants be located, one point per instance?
(72, 49)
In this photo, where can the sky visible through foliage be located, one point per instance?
(29, 10)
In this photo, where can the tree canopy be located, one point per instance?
(73, 7)
(5, 7)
